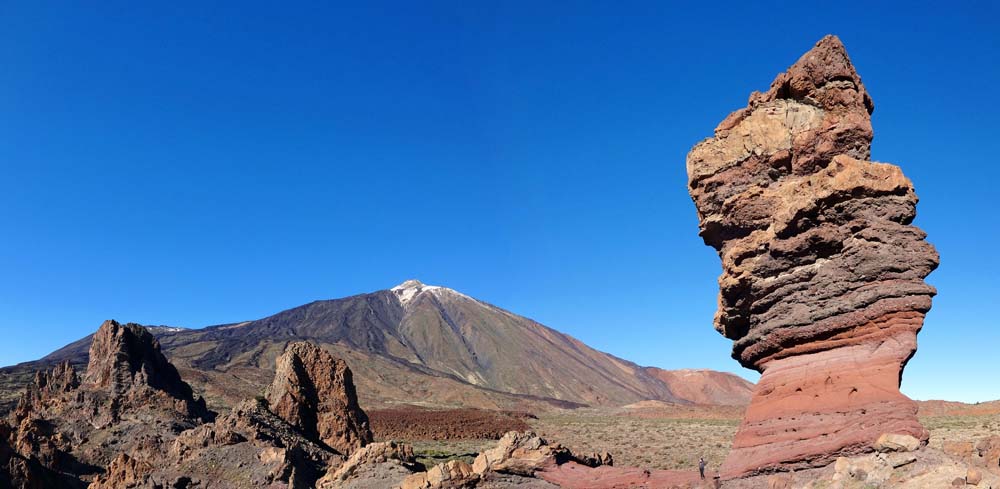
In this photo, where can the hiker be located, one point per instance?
(701, 467)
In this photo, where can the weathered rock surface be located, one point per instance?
(314, 392)
(891, 442)
(925, 469)
(520, 459)
(386, 463)
(130, 401)
(248, 447)
(988, 449)
(454, 474)
(822, 288)
(575, 476)
(123, 472)
(126, 357)
(297, 437)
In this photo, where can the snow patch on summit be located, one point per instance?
(409, 290)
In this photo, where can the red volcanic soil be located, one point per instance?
(413, 423)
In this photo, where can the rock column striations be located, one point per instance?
(822, 286)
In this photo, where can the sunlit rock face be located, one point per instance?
(822, 286)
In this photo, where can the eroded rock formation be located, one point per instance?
(314, 392)
(822, 286)
(248, 446)
(126, 361)
(130, 401)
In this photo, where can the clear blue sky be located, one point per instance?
(190, 165)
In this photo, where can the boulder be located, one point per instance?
(973, 476)
(123, 472)
(373, 454)
(454, 474)
(892, 442)
(520, 453)
(822, 288)
(779, 481)
(314, 392)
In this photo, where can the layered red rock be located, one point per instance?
(822, 288)
(314, 392)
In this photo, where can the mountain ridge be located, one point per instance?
(415, 344)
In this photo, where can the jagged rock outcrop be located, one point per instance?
(375, 466)
(130, 401)
(314, 392)
(822, 288)
(126, 361)
(123, 472)
(521, 453)
(453, 474)
(249, 446)
(394, 462)
(297, 436)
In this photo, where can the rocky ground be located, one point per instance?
(674, 437)
(130, 421)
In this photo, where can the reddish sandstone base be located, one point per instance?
(807, 410)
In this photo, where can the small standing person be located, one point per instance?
(701, 467)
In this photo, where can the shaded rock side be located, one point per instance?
(822, 286)
(314, 392)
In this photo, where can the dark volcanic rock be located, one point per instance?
(822, 288)
(315, 393)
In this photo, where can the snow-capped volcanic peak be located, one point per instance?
(409, 290)
(406, 291)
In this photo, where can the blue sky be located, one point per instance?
(192, 164)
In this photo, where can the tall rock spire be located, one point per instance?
(822, 286)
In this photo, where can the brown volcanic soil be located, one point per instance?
(414, 423)
(657, 437)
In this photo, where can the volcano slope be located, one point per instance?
(412, 344)
(822, 286)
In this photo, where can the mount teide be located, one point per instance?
(419, 344)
